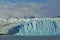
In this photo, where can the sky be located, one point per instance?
(39, 8)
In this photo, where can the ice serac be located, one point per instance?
(40, 26)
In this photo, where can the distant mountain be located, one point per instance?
(56, 17)
(30, 16)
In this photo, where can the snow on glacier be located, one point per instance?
(36, 26)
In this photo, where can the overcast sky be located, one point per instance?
(45, 8)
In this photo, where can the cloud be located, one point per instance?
(47, 9)
(19, 9)
(52, 7)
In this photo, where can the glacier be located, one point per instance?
(31, 27)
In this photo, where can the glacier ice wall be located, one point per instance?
(39, 26)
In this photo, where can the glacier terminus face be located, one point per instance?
(30, 27)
